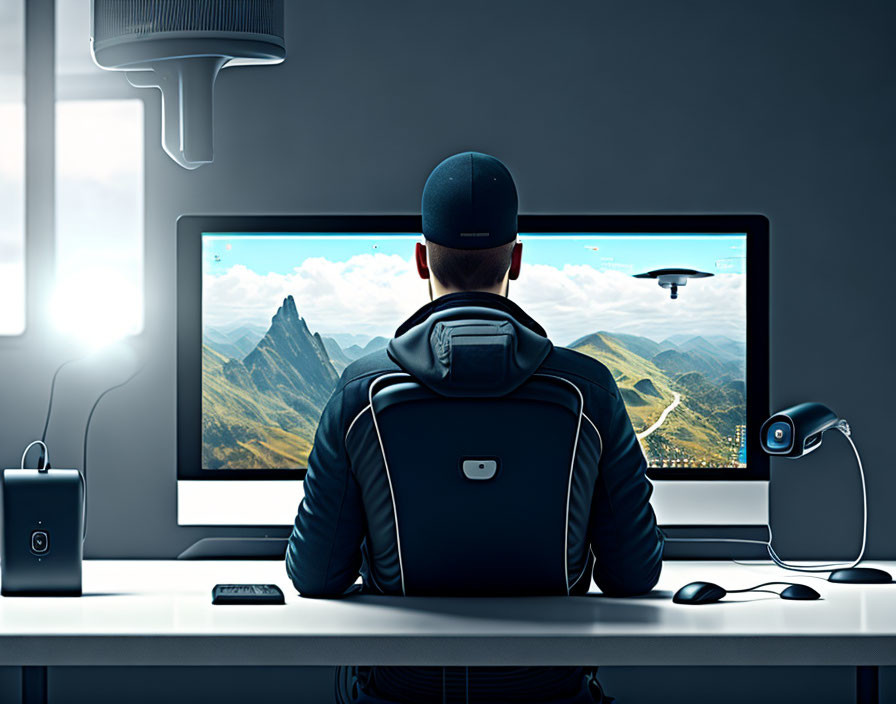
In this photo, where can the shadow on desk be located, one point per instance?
(560, 609)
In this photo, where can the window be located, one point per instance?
(99, 189)
(99, 217)
(12, 168)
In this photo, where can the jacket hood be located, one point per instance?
(470, 350)
(470, 298)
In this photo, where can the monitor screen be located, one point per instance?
(283, 314)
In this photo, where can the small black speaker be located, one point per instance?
(43, 532)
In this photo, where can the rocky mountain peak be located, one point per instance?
(287, 312)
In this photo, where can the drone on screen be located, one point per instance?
(673, 278)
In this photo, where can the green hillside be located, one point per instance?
(243, 428)
(703, 430)
(628, 368)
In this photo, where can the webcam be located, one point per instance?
(797, 431)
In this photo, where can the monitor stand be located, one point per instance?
(236, 549)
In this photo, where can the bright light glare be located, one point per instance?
(96, 307)
(99, 218)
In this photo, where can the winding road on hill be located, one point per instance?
(666, 411)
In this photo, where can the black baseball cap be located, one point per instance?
(470, 202)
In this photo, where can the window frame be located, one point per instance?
(13, 336)
(42, 90)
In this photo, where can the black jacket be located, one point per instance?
(339, 533)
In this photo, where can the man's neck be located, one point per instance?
(437, 290)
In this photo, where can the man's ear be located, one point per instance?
(516, 259)
(420, 256)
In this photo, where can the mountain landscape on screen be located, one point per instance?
(263, 391)
(686, 396)
(260, 410)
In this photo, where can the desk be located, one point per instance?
(160, 613)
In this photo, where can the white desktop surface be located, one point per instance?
(160, 613)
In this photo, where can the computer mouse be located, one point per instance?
(861, 575)
(801, 592)
(699, 593)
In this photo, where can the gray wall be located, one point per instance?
(642, 106)
(646, 106)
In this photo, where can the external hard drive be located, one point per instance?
(43, 532)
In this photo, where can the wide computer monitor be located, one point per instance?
(272, 309)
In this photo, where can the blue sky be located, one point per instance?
(279, 254)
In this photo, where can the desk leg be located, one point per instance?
(34, 685)
(867, 686)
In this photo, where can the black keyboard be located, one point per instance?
(247, 594)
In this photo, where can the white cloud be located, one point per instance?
(373, 293)
(577, 300)
(369, 294)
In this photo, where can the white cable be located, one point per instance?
(843, 427)
(32, 444)
(714, 540)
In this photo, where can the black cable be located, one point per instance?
(43, 435)
(87, 433)
(757, 588)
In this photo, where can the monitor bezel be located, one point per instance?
(190, 229)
